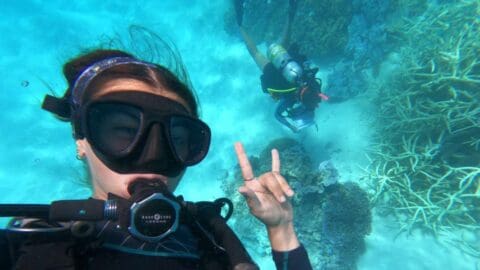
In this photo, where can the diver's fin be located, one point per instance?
(238, 4)
(300, 124)
(301, 118)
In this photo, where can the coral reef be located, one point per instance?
(365, 50)
(342, 210)
(426, 165)
(366, 44)
(346, 81)
(346, 219)
(319, 27)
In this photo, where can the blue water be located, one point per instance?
(37, 161)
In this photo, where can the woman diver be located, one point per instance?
(136, 126)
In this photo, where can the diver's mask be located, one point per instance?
(280, 58)
(133, 131)
(137, 132)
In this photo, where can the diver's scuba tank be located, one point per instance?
(280, 58)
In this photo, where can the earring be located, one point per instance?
(80, 156)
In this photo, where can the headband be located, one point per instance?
(84, 79)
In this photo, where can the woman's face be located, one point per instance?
(106, 181)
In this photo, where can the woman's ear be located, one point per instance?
(81, 148)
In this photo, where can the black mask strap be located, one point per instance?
(58, 106)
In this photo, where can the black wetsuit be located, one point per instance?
(272, 78)
(52, 256)
(112, 247)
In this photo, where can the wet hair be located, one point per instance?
(155, 77)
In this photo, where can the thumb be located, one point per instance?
(250, 197)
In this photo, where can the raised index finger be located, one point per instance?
(243, 161)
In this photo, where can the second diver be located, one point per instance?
(287, 76)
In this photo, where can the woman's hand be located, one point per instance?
(268, 197)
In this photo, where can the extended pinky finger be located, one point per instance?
(284, 185)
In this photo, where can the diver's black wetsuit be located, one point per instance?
(52, 256)
(272, 78)
(114, 248)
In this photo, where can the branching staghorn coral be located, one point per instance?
(425, 167)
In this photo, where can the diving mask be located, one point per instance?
(138, 132)
(133, 131)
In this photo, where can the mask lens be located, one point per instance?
(190, 139)
(113, 128)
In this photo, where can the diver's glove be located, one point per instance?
(238, 4)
